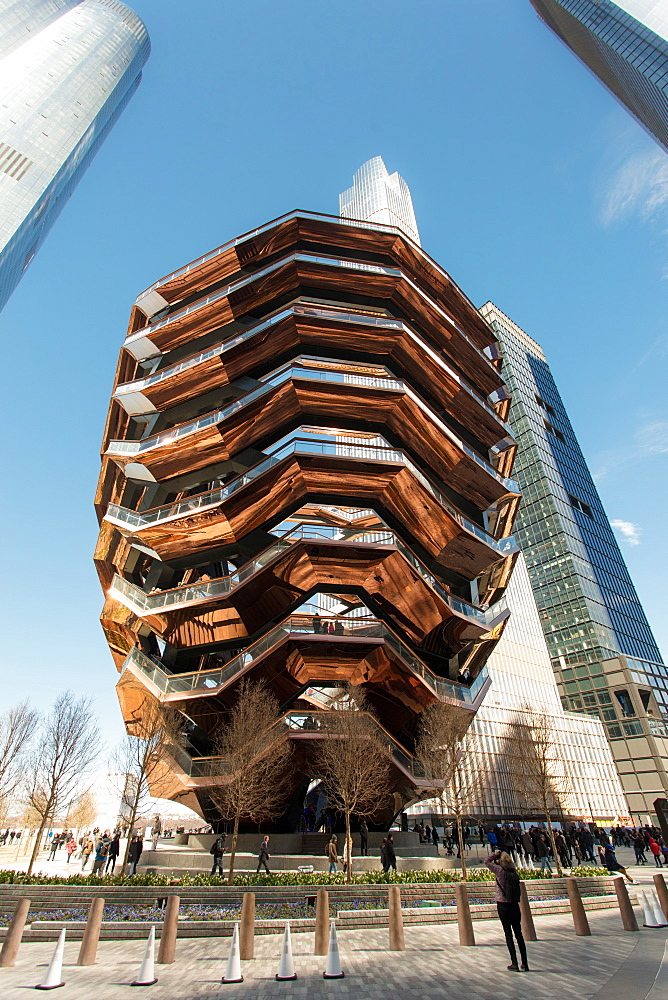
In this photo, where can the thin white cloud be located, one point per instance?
(639, 186)
(650, 440)
(629, 531)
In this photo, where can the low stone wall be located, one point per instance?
(176, 863)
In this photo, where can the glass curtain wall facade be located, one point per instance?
(604, 655)
(523, 682)
(67, 70)
(380, 197)
(625, 45)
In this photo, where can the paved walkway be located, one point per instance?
(610, 965)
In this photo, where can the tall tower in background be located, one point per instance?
(603, 652)
(625, 45)
(379, 197)
(67, 70)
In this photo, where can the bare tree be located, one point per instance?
(252, 761)
(17, 728)
(68, 743)
(82, 811)
(539, 772)
(154, 737)
(352, 760)
(449, 753)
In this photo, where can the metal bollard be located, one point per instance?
(396, 920)
(629, 921)
(321, 922)
(528, 929)
(10, 945)
(91, 936)
(661, 891)
(170, 925)
(464, 922)
(580, 921)
(247, 929)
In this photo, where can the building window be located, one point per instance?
(580, 505)
(546, 406)
(624, 699)
(553, 430)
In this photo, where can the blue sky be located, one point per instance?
(532, 187)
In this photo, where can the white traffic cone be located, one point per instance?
(146, 975)
(333, 968)
(531, 865)
(233, 973)
(286, 969)
(659, 915)
(650, 920)
(54, 974)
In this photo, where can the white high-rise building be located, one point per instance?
(379, 197)
(67, 70)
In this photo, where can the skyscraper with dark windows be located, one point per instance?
(604, 655)
(67, 70)
(625, 44)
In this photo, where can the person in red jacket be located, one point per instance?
(656, 851)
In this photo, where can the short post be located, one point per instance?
(91, 936)
(14, 934)
(464, 922)
(321, 922)
(247, 929)
(661, 891)
(396, 919)
(528, 929)
(168, 934)
(629, 921)
(580, 921)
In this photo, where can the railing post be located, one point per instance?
(10, 945)
(629, 921)
(170, 925)
(247, 929)
(91, 936)
(396, 920)
(662, 892)
(321, 922)
(580, 921)
(464, 922)
(528, 929)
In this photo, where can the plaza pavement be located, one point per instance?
(609, 965)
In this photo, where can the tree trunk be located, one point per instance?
(347, 851)
(460, 837)
(35, 850)
(551, 833)
(233, 852)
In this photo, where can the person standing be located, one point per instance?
(114, 851)
(135, 853)
(542, 854)
(218, 850)
(391, 858)
(656, 852)
(434, 836)
(86, 852)
(507, 894)
(332, 855)
(263, 856)
(364, 838)
(156, 830)
(71, 848)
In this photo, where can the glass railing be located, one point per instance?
(300, 446)
(298, 722)
(332, 314)
(361, 629)
(334, 261)
(142, 603)
(311, 369)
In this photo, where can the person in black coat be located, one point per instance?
(217, 852)
(263, 856)
(364, 838)
(390, 856)
(135, 852)
(114, 851)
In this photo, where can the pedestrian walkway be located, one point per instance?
(610, 965)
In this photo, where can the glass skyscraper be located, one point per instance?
(67, 70)
(603, 652)
(625, 45)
